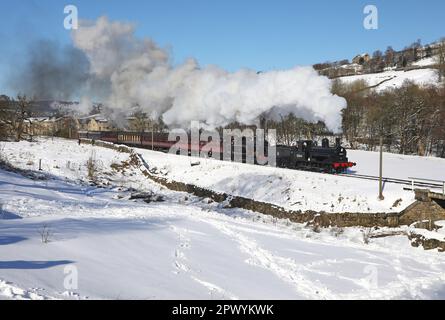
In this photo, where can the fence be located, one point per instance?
(434, 184)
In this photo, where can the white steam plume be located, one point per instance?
(138, 72)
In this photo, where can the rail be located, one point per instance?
(437, 183)
(423, 183)
(413, 182)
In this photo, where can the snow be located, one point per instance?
(185, 247)
(7, 290)
(397, 165)
(291, 189)
(394, 79)
(440, 224)
(133, 250)
(425, 62)
(430, 234)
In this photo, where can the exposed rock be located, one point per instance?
(428, 244)
(147, 197)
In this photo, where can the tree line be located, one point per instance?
(410, 118)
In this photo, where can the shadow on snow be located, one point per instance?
(22, 264)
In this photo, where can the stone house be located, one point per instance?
(94, 122)
(49, 126)
(361, 59)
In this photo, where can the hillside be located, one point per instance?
(393, 79)
(294, 190)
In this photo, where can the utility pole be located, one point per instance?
(152, 128)
(381, 197)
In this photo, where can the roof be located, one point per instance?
(40, 119)
(97, 117)
(361, 55)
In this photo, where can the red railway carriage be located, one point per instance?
(155, 141)
(305, 156)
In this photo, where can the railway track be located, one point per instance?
(432, 184)
(395, 180)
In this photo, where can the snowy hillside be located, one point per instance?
(394, 79)
(296, 190)
(183, 247)
(291, 189)
(426, 62)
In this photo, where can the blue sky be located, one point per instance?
(258, 34)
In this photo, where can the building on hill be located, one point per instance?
(39, 126)
(94, 122)
(361, 59)
(65, 126)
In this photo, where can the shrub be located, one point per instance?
(45, 233)
(92, 166)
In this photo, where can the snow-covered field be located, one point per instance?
(394, 79)
(291, 189)
(397, 165)
(183, 247)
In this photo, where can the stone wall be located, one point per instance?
(422, 210)
(322, 219)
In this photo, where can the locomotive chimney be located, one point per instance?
(263, 123)
(337, 142)
(325, 143)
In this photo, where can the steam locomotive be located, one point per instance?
(306, 155)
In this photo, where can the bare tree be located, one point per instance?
(141, 121)
(354, 114)
(389, 57)
(4, 115)
(92, 166)
(14, 113)
(367, 235)
(440, 60)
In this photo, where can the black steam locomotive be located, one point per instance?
(306, 155)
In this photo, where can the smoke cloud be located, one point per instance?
(125, 71)
(51, 71)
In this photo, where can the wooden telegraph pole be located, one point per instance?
(152, 129)
(381, 197)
